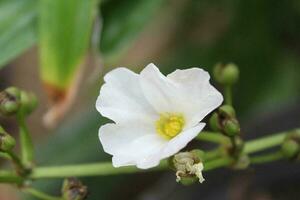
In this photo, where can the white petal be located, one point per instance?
(194, 86)
(159, 91)
(181, 140)
(122, 100)
(133, 144)
(184, 91)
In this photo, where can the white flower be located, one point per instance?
(155, 115)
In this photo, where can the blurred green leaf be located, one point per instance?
(122, 22)
(64, 31)
(17, 28)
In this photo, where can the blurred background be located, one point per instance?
(61, 49)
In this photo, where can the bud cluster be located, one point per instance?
(224, 120)
(14, 100)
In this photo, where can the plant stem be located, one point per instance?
(17, 162)
(41, 195)
(214, 137)
(266, 158)
(26, 142)
(106, 168)
(264, 143)
(93, 169)
(210, 155)
(217, 163)
(9, 177)
(228, 95)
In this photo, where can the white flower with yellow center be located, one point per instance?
(155, 115)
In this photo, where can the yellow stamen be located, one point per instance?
(169, 124)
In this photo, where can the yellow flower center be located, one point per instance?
(169, 125)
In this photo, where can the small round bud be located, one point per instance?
(231, 127)
(214, 122)
(73, 189)
(7, 142)
(227, 111)
(226, 74)
(9, 101)
(290, 148)
(28, 102)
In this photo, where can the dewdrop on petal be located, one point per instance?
(154, 115)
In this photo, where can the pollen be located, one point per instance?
(169, 125)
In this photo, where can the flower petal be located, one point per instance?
(181, 140)
(130, 144)
(122, 100)
(184, 91)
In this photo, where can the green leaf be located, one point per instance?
(64, 31)
(122, 22)
(17, 28)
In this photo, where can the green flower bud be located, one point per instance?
(214, 122)
(73, 189)
(231, 127)
(7, 142)
(28, 102)
(226, 74)
(9, 101)
(227, 111)
(290, 148)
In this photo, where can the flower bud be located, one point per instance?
(290, 148)
(224, 120)
(227, 111)
(188, 166)
(9, 101)
(28, 102)
(231, 127)
(73, 189)
(214, 122)
(226, 74)
(7, 142)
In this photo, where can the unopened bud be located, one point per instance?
(231, 127)
(7, 142)
(73, 189)
(290, 148)
(214, 122)
(226, 74)
(227, 111)
(9, 101)
(28, 102)
(224, 121)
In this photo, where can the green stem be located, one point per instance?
(93, 169)
(266, 158)
(10, 177)
(228, 95)
(264, 143)
(26, 142)
(217, 163)
(17, 162)
(210, 155)
(41, 195)
(213, 137)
